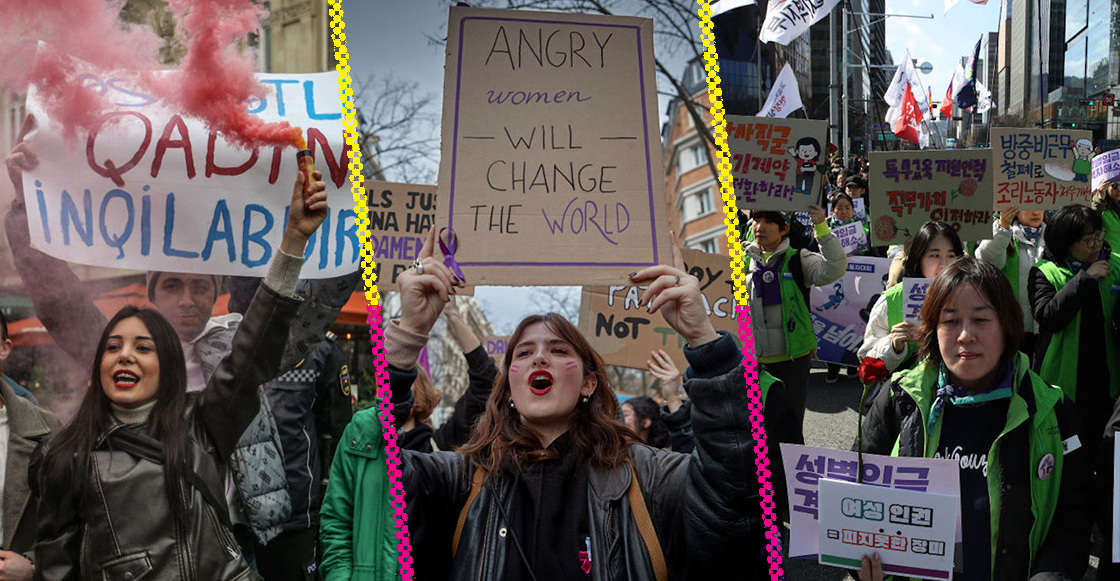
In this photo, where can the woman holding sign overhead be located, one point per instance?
(779, 297)
(972, 398)
(552, 485)
(1016, 245)
(889, 337)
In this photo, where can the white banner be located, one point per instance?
(789, 19)
(785, 97)
(720, 6)
(150, 190)
(905, 73)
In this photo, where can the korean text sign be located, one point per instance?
(149, 189)
(774, 161)
(806, 465)
(913, 532)
(400, 215)
(910, 188)
(1041, 169)
(624, 333)
(838, 310)
(914, 298)
(551, 154)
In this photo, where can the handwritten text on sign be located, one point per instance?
(774, 161)
(836, 308)
(913, 532)
(1041, 169)
(624, 333)
(910, 188)
(852, 236)
(400, 216)
(148, 189)
(914, 292)
(551, 152)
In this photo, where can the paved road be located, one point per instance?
(830, 422)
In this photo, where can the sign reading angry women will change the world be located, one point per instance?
(550, 168)
(149, 189)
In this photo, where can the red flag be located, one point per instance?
(910, 118)
(947, 104)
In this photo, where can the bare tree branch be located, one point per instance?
(399, 127)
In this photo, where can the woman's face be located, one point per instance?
(842, 210)
(855, 191)
(768, 234)
(1088, 247)
(1113, 191)
(840, 179)
(971, 339)
(1032, 218)
(938, 255)
(630, 417)
(130, 365)
(546, 379)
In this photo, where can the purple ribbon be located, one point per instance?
(448, 244)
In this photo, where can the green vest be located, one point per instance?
(894, 317)
(798, 326)
(1111, 227)
(1059, 365)
(765, 380)
(921, 384)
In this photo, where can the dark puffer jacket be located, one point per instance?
(704, 506)
(120, 527)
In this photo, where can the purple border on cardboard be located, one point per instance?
(645, 131)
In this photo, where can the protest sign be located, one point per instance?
(400, 215)
(1106, 168)
(496, 346)
(806, 465)
(551, 153)
(774, 161)
(149, 189)
(913, 297)
(624, 333)
(913, 532)
(910, 188)
(1041, 169)
(840, 310)
(851, 236)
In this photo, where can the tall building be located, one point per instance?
(988, 69)
(864, 103)
(742, 59)
(880, 78)
(296, 37)
(1001, 91)
(1091, 67)
(1037, 55)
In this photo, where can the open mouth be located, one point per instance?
(125, 379)
(540, 382)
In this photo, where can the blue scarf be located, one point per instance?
(961, 397)
(1031, 233)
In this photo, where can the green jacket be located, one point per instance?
(358, 531)
(1038, 525)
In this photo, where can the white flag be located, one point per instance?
(903, 74)
(789, 19)
(950, 3)
(784, 98)
(720, 6)
(958, 80)
(984, 99)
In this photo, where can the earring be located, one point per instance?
(585, 399)
(511, 406)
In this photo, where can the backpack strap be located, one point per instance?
(645, 526)
(476, 487)
(798, 273)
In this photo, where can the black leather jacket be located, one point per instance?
(120, 527)
(704, 506)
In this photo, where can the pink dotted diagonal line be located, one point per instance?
(761, 451)
(393, 459)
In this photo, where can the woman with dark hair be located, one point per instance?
(1016, 245)
(134, 486)
(1025, 477)
(1072, 297)
(642, 415)
(888, 336)
(1106, 200)
(552, 485)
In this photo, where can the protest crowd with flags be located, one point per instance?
(215, 418)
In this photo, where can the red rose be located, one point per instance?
(968, 187)
(872, 370)
(885, 228)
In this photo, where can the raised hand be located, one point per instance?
(676, 295)
(305, 215)
(21, 158)
(426, 290)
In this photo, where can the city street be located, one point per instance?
(830, 422)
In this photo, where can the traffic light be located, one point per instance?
(1092, 102)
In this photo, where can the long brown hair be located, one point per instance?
(427, 397)
(597, 435)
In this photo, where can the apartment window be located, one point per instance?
(710, 246)
(692, 157)
(704, 200)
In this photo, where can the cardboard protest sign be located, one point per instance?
(840, 310)
(774, 161)
(806, 466)
(913, 298)
(149, 189)
(852, 236)
(910, 188)
(1106, 168)
(496, 346)
(624, 333)
(913, 532)
(1041, 169)
(400, 215)
(551, 153)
